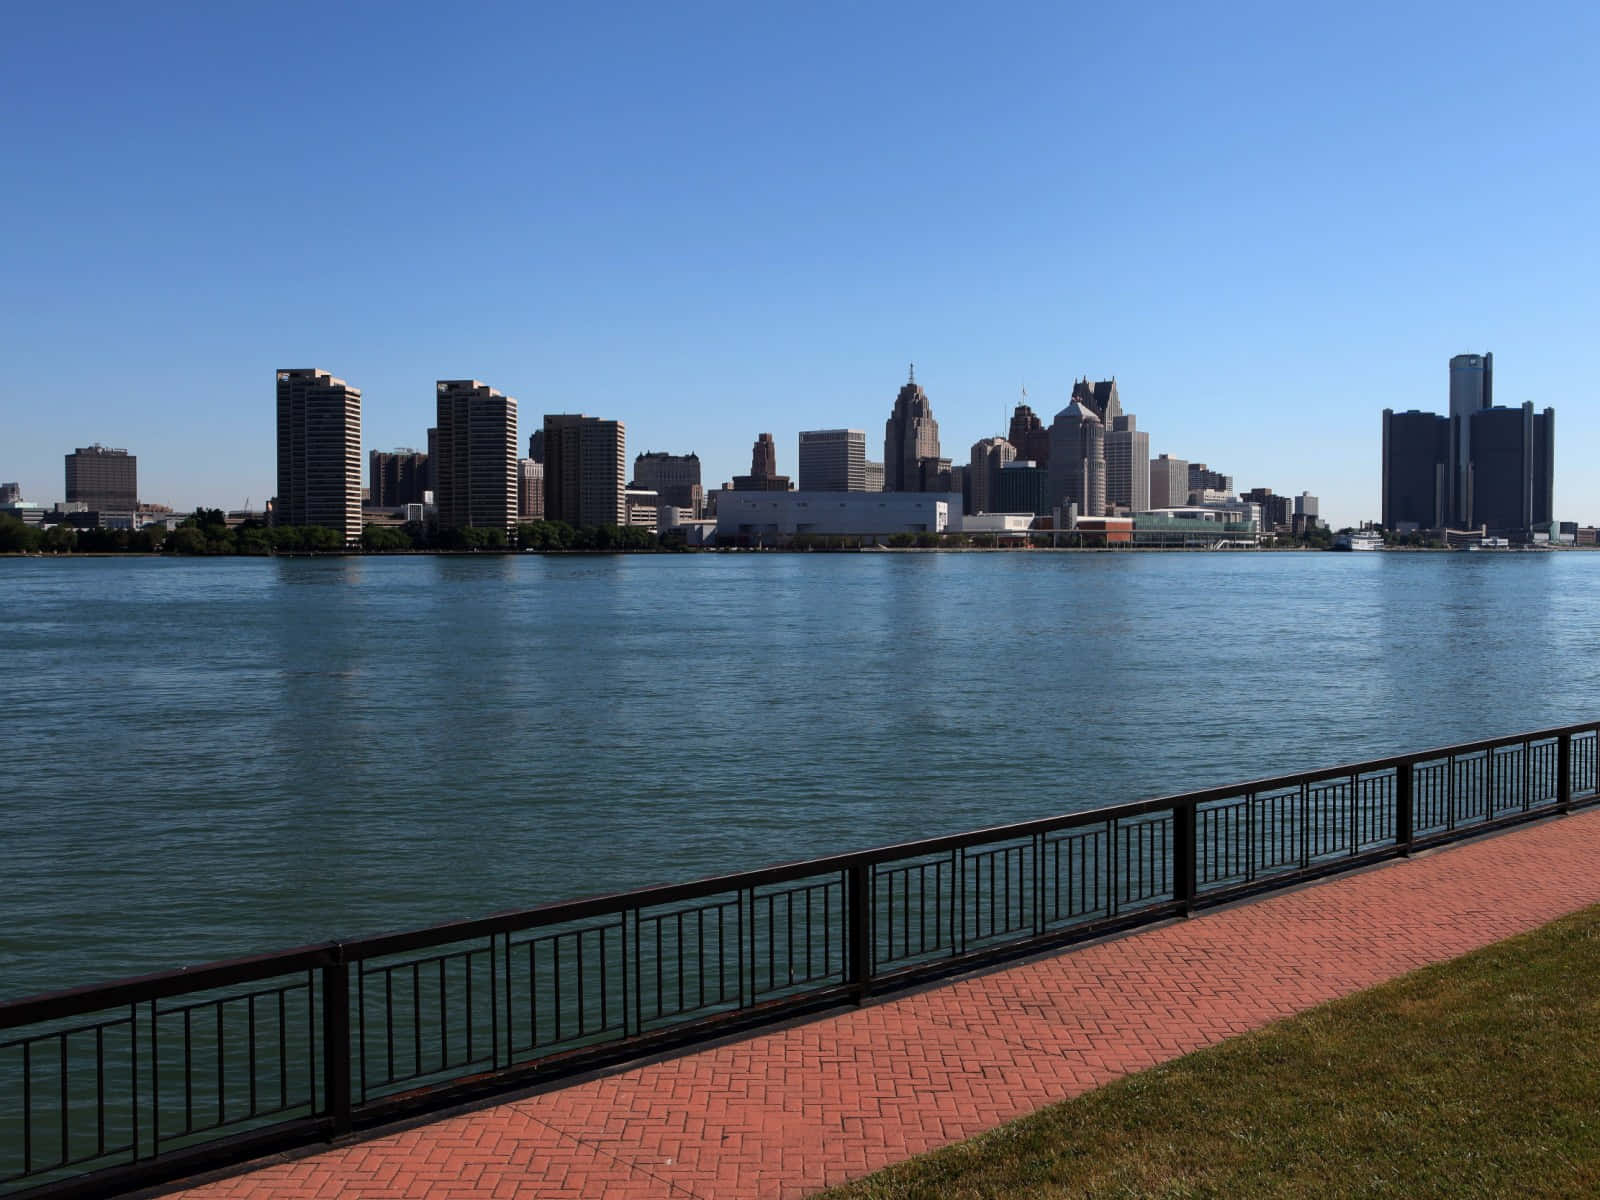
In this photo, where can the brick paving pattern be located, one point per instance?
(787, 1113)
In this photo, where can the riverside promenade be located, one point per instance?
(786, 1113)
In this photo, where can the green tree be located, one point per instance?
(17, 537)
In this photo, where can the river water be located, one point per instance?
(215, 757)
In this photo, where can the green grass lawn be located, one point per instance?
(1477, 1077)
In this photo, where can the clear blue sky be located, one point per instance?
(714, 220)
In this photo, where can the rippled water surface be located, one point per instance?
(208, 758)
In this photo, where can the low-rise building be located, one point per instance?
(756, 516)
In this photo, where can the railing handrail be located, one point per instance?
(96, 997)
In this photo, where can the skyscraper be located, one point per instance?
(585, 470)
(910, 437)
(1416, 470)
(1513, 452)
(475, 476)
(396, 477)
(103, 479)
(319, 452)
(833, 460)
(1127, 465)
(1471, 389)
(1099, 398)
(763, 475)
(1169, 482)
(983, 473)
(1078, 461)
(1029, 437)
(1203, 479)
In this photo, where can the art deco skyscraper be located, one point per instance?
(1029, 436)
(475, 476)
(319, 452)
(910, 437)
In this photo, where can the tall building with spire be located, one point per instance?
(1099, 398)
(910, 440)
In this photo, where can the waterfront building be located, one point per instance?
(833, 460)
(1416, 470)
(874, 476)
(756, 516)
(103, 479)
(1512, 470)
(1203, 479)
(1078, 461)
(319, 452)
(1169, 482)
(1195, 528)
(1029, 436)
(1305, 505)
(1022, 486)
(983, 473)
(475, 483)
(1277, 512)
(910, 440)
(1127, 465)
(1471, 390)
(396, 478)
(584, 470)
(1099, 398)
(530, 489)
(763, 475)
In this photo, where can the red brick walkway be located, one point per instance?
(790, 1112)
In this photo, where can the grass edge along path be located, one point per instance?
(1474, 1077)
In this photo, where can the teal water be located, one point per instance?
(208, 758)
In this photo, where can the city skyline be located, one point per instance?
(709, 222)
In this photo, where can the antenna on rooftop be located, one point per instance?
(913, 372)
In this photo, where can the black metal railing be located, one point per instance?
(112, 1087)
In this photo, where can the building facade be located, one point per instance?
(874, 476)
(1022, 486)
(1471, 390)
(1169, 482)
(674, 477)
(1512, 470)
(763, 475)
(1203, 479)
(530, 489)
(475, 477)
(756, 516)
(585, 465)
(103, 479)
(1127, 466)
(910, 439)
(1029, 437)
(319, 452)
(989, 456)
(1099, 398)
(833, 460)
(396, 477)
(1078, 461)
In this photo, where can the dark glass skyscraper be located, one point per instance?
(910, 440)
(1416, 456)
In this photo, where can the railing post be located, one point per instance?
(1183, 857)
(336, 1041)
(1564, 773)
(1405, 822)
(860, 908)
